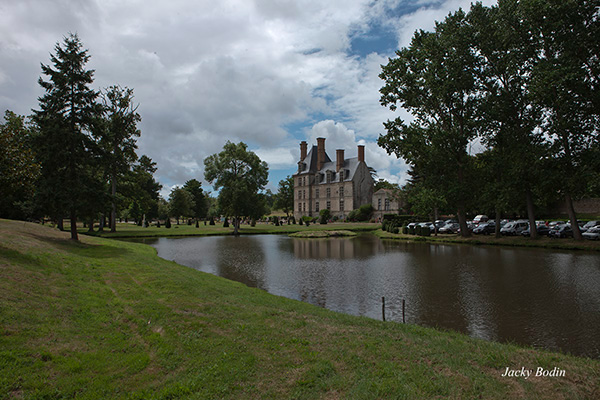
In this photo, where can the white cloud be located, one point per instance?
(205, 72)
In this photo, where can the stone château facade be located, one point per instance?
(340, 186)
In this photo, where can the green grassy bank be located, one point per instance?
(131, 230)
(514, 241)
(108, 319)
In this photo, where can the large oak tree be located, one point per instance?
(239, 174)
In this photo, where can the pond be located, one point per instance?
(537, 297)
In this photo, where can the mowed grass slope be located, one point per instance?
(108, 319)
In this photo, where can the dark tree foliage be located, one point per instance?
(194, 188)
(434, 79)
(65, 148)
(566, 83)
(18, 168)
(240, 175)
(118, 135)
(284, 199)
(181, 203)
(140, 188)
(507, 55)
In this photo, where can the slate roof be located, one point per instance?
(350, 166)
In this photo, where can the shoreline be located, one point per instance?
(129, 231)
(505, 241)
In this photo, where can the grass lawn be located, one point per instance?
(132, 230)
(101, 319)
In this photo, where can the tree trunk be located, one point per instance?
(91, 225)
(531, 215)
(498, 219)
(101, 223)
(59, 224)
(235, 225)
(113, 213)
(74, 226)
(573, 217)
(435, 217)
(462, 221)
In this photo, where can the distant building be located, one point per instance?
(385, 201)
(340, 186)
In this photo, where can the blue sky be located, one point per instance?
(269, 73)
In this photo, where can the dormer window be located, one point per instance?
(329, 176)
(341, 175)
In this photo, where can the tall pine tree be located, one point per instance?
(65, 146)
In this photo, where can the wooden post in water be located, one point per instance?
(403, 307)
(383, 308)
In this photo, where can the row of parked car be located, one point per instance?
(482, 225)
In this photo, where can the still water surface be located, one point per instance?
(537, 297)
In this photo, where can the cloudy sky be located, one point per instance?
(269, 73)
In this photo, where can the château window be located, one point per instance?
(328, 193)
(342, 191)
(387, 204)
(341, 205)
(328, 205)
(300, 207)
(317, 206)
(379, 204)
(341, 175)
(317, 193)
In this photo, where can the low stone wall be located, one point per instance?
(583, 206)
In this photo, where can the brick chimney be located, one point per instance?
(361, 153)
(320, 152)
(339, 159)
(302, 150)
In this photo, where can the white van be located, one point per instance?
(514, 227)
(479, 219)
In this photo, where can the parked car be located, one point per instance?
(562, 231)
(514, 227)
(592, 233)
(451, 227)
(542, 230)
(554, 224)
(485, 228)
(479, 219)
(589, 225)
(428, 225)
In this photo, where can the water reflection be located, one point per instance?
(542, 298)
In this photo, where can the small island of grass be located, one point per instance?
(322, 234)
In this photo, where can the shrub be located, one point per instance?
(411, 230)
(212, 221)
(168, 223)
(253, 222)
(197, 224)
(189, 222)
(363, 213)
(158, 224)
(226, 223)
(146, 224)
(405, 230)
(325, 215)
(396, 230)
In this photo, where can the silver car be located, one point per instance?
(592, 233)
